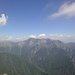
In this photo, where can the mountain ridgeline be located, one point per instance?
(37, 57)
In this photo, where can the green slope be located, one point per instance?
(13, 65)
(57, 62)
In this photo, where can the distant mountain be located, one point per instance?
(52, 57)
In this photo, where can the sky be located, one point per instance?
(20, 19)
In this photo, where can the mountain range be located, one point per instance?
(37, 57)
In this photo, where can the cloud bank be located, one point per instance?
(64, 38)
(41, 35)
(61, 37)
(32, 36)
(11, 38)
(67, 9)
(3, 20)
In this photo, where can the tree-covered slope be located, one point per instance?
(14, 65)
(55, 61)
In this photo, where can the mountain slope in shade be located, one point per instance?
(72, 47)
(14, 65)
(57, 62)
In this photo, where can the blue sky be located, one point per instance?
(23, 18)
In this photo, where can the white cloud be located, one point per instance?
(38, 36)
(10, 38)
(41, 35)
(56, 36)
(61, 37)
(67, 9)
(32, 36)
(64, 38)
(3, 20)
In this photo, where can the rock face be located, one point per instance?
(44, 56)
